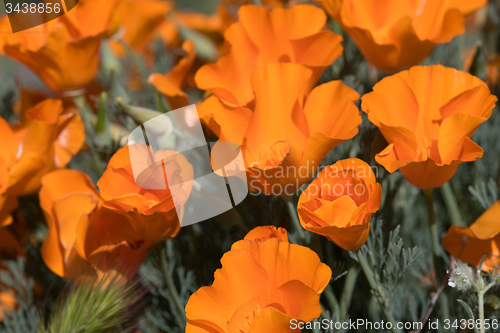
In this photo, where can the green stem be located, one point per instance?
(481, 291)
(350, 282)
(480, 300)
(292, 211)
(332, 300)
(436, 253)
(452, 205)
(315, 329)
(374, 285)
(85, 111)
(159, 103)
(170, 284)
(436, 250)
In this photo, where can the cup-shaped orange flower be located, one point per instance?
(263, 284)
(85, 239)
(152, 213)
(482, 238)
(339, 203)
(138, 21)
(428, 115)
(288, 132)
(396, 34)
(228, 9)
(262, 37)
(63, 53)
(46, 139)
(171, 83)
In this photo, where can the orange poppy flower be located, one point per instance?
(262, 37)
(227, 10)
(63, 53)
(482, 238)
(428, 115)
(339, 203)
(85, 238)
(396, 34)
(261, 234)
(171, 84)
(290, 129)
(261, 286)
(138, 21)
(151, 213)
(45, 140)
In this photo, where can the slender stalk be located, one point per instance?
(170, 284)
(330, 296)
(436, 253)
(350, 282)
(292, 211)
(452, 205)
(438, 264)
(89, 130)
(159, 103)
(480, 300)
(374, 285)
(481, 291)
(315, 329)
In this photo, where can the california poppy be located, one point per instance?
(290, 129)
(45, 140)
(152, 213)
(85, 239)
(227, 10)
(482, 238)
(171, 83)
(63, 53)
(261, 234)
(339, 203)
(396, 34)
(428, 115)
(262, 285)
(138, 21)
(262, 37)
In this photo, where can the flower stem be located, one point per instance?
(330, 296)
(384, 303)
(480, 300)
(85, 111)
(170, 284)
(452, 205)
(436, 257)
(292, 211)
(438, 264)
(350, 282)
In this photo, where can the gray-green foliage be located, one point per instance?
(25, 318)
(389, 262)
(156, 317)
